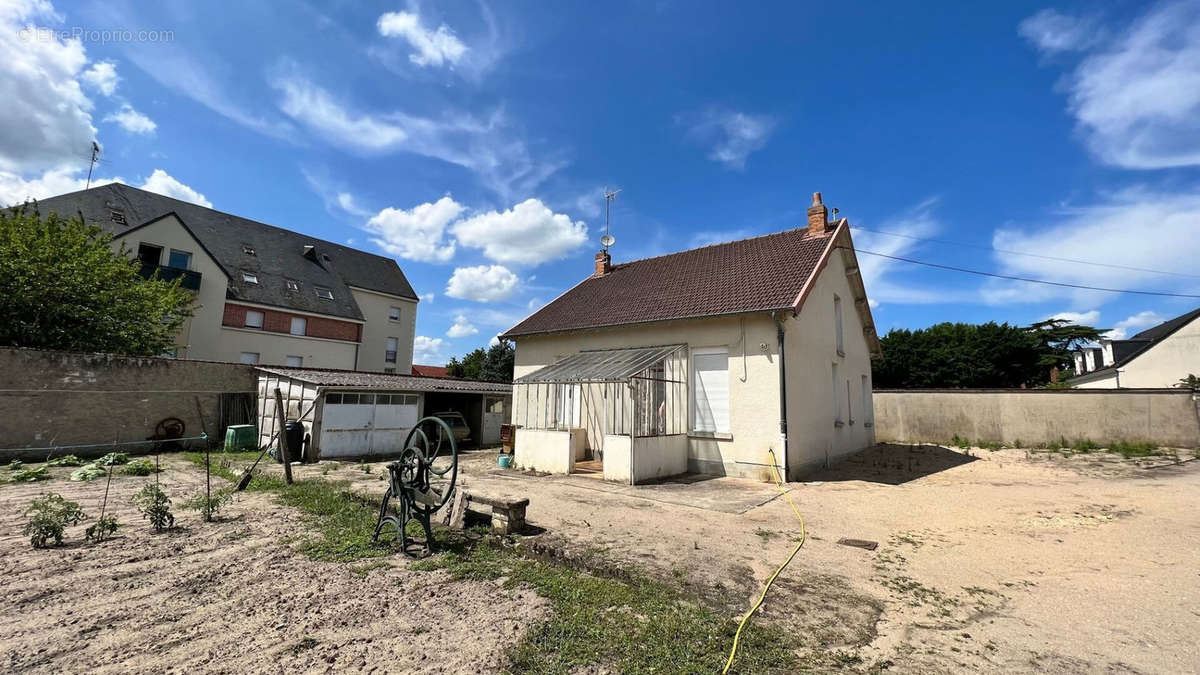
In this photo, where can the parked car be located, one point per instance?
(458, 424)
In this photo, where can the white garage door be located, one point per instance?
(354, 423)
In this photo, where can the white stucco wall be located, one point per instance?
(200, 336)
(1163, 365)
(753, 383)
(810, 339)
(616, 459)
(544, 450)
(378, 328)
(659, 456)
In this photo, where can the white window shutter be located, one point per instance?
(710, 391)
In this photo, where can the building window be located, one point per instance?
(117, 216)
(149, 254)
(493, 405)
(254, 319)
(295, 361)
(393, 314)
(249, 357)
(837, 399)
(710, 390)
(837, 325)
(180, 260)
(292, 285)
(250, 277)
(248, 249)
(389, 355)
(333, 399)
(299, 325)
(323, 292)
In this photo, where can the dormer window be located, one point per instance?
(323, 293)
(250, 277)
(117, 216)
(310, 252)
(248, 249)
(292, 285)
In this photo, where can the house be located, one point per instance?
(264, 295)
(429, 371)
(1157, 357)
(348, 413)
(702, 361)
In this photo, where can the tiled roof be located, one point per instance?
(359, 380)
(429, 371)
(278, 253)
(750, 275)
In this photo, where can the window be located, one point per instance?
(366, 399)
(567, 405)
(179, 260)
(149, 254)
(837, 399)
(299, 325)
(292, 285)
(250, 277)
(248, 249)
(117, 216)
(710, 390)
(350, 399)
(249, 357)
(866, 403)
(393, 314)
(254, 319)
(323, 293)
(333, 399)
(494, 405)
(837, 325)
(389, 355)
(295, 361)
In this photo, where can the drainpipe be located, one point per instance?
(782, 397)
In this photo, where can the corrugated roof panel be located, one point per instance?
(601, 365)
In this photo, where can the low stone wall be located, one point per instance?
(52, 398)
(1167, 417)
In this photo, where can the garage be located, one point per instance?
(348, 413)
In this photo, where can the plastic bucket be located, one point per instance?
(505, 461)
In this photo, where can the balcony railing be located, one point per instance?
(189, 279)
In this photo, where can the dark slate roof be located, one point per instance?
(1130, 348)
(750, 275)
(352, 379)
(279, 253)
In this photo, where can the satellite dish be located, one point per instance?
(607, 240)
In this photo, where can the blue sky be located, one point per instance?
(473, 140)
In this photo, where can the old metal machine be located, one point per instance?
(422, 481)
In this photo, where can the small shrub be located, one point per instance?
(65, 460)
(113, 458)
(960, 442)
(364, 467)
(208, 506)
(89, 471)
(989, 445)
(49, 516)
(155, 506)
(14, 465)
(1018, 443)
(1057, 445)
(1084, 445)
(102, 529)
(139, 467)
(31, 475)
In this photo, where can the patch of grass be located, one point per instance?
(1129, 450)
(989, 445)
(960, 442)
(764, 535)
(1084, 445)
(361, 571)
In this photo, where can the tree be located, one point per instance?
(63, 287)
(493, 365)
(1057, 338)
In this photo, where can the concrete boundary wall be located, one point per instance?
(1167, 417)
(62, 398)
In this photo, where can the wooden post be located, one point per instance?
(281, 420)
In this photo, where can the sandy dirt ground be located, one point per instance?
(1004, 561)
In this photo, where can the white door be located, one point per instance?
(493, 417)
(355, 424)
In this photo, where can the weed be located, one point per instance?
(960, 442)
(1018, 443)
(155, 506)
(14, 465)
(361, 571)
(102, 529)
(89, 471)
(49, 516)
(65, 460)
(139, 467)
(1084, 445)
(303, 645)
(1129, 450)
(30, 475)
(364, 467)
(113, 458)
(989, 445)
(209, 505)
(764, 535)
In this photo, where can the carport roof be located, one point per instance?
(600, 365)
(360, 380)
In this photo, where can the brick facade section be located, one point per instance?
(275, 321)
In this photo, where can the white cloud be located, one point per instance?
(528, 233)
(102, 76)
(165, 184)
(427, 297)
(483, 283)
(418, 233)
(1088, 318)
(717, 237)
(1136, 95)
(428, 350)
(731, 135)
(1130, 228)
(462, 328)
(1052, 31)
(431, 47)
(132, 121)
(16, 189)
(1135, 324)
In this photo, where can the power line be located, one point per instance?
(1015, 278)
(1029, 255)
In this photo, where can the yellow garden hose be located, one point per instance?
(745, 620)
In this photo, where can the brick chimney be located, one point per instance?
(603, 264)
(818, 216)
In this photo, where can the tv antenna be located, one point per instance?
(95, 156)
(609, 195)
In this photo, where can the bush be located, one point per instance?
(102, 529)
(49, 516)
(208, 506)
(155, 506)
(139, 467)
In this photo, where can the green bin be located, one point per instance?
(240, 437)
